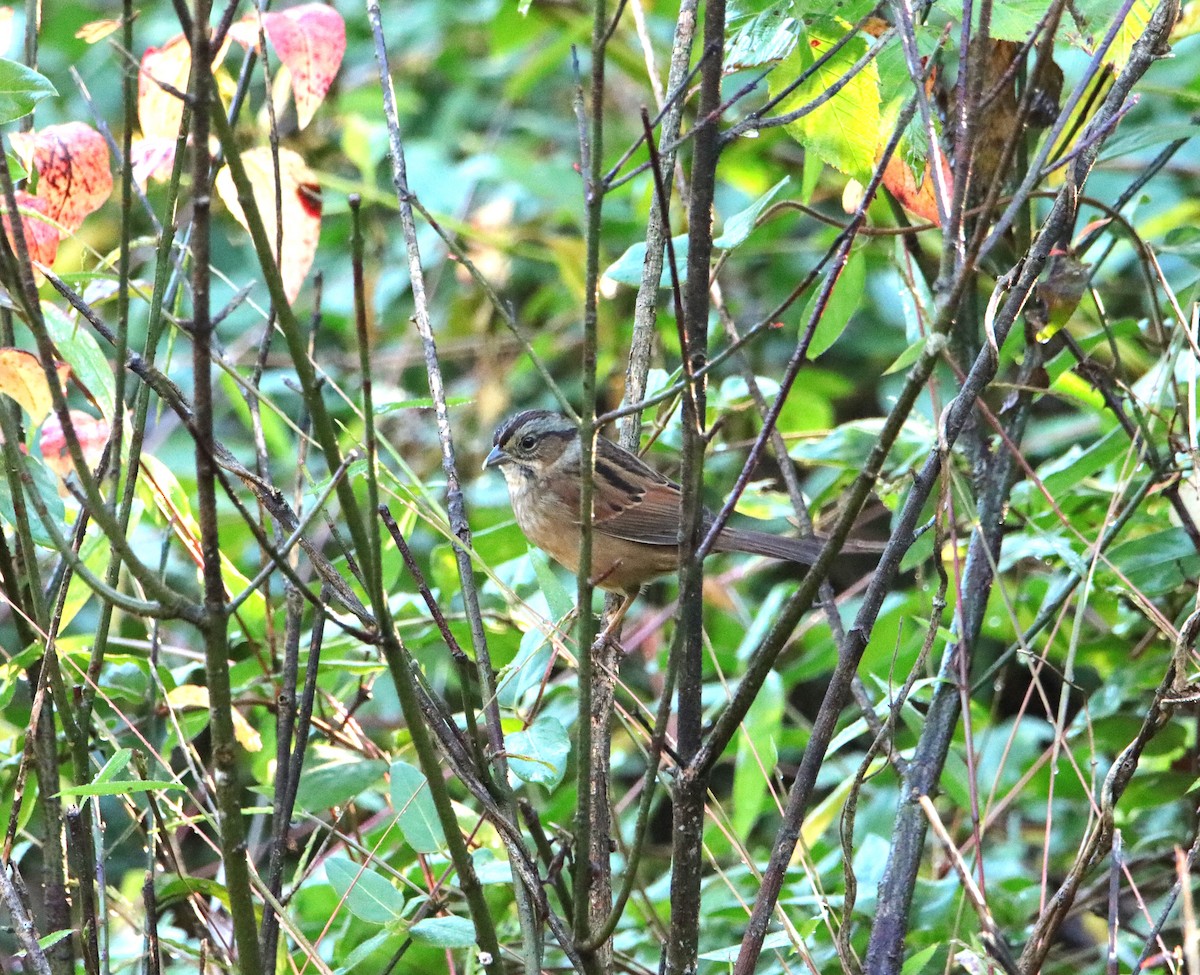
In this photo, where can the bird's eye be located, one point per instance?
(528, 441)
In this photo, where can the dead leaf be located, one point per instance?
(97, 30)
(310, 40)
(301, 209)
(72, 166)
(22, 378)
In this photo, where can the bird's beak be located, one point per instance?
(497, 456)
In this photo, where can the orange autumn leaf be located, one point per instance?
(22, 378)
(301, 209)
(918, 199)
(310, 40)
(71, 161)
(92, 433)
(41, 235)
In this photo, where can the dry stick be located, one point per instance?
(285, 722)
(12, 892)
(691, 789)
(592, 881)
(398, 659)
(1154, 938)
(849, 811)
(993, 938)
(462, 663)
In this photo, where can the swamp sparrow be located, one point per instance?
(635, 525)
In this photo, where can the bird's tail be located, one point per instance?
(802, 550)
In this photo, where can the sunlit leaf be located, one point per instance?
(22, 378)
(843, 131)
(41, 234)
(162, 77)
(300, 206)
(97, 30)
(152, 158)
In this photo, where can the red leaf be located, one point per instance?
(310, 41)
(92, 433)
(41, 236)
(301, 209)
(72, 165)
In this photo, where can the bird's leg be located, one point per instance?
(613, 626)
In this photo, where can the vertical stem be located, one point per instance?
(683, 941)
(215, 620)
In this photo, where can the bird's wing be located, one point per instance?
(630, 500)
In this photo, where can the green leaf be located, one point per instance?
(756, 754)
(414, 805)
(906, 358)
(444, 932)
(335, 779)
(538, 754)
(367, 894)
(419, 403)
(557, 597)
(761, 37)
(843, 131)
(772, 942)
(352, 961)
(46, 485)
(54, 937)
(489, 869)
(82, 353)
(738, 227)
(122, 788)
(20, 89)
(527, 670)
(843, 303)
(627, 269)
